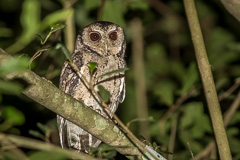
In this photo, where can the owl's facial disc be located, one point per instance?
(104, 39)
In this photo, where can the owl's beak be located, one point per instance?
(105, 48)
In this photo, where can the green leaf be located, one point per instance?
(113, 11)
(165, 90)
(40, 155)
(89, 5)
(105, 94)
(154, 145)
(43, 127)
(195, 120)
(142, 138)
(40, 37)
(10, 87)
(56, 27)
(65, 51)
(55, 17)
(138, 4)
(13, 115)
(113, 72)
(150, 119)
(191, 77)
(92, 67)
(30, 21)
(13, 65)
(37, 134)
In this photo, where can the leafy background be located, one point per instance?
(177, 119)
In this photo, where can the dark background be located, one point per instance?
(171, 74)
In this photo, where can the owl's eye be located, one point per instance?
(94, 36)
(113, 35)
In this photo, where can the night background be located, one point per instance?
(164, 101)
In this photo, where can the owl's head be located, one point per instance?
(103, 38)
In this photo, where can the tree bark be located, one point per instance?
(48, 95)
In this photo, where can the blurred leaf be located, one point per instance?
(105, 94)
(219, 39)
(178, 70)
(93, 4)
(233, 131)
(65, 51)
(142, 138)
(235, 145)
(113, 72)
(107, 151)
(138, 4)
(39, 37)
(190, 78)
(195, 120)
(150, 119)
(41, 155)
(13, 65)
(92, 67)
(5, 32)
(165, 90)
(43, 127)
(13, 115)
(10, 87)
(55, 17)
(30, 21)
(235, 119)
(104, 151)
(114, 12)
(36, 134)
(56, 27)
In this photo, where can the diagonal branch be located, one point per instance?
(45, 93)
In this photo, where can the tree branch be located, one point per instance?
(207, 80)
(39, 145)
(45, 93)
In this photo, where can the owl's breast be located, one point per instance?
(113, 83)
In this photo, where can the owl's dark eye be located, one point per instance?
(94, 36)
(113, 35)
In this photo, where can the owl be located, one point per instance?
(104, 43)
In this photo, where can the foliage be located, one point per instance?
(171, 74)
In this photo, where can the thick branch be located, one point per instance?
(45, 93)
(207, 80)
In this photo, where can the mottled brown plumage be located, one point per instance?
(103, 43)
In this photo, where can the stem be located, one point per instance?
(40, 145)
(140, 88)
(70, 31)
(207, 80)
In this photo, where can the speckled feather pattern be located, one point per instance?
(86, 50)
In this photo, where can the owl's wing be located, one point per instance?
(122, 90)
(71, 135)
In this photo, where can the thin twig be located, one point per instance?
(230, 90)
(173, 137)
(189, 147)
(128, 133)
(174, 107)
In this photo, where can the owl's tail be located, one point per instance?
(74, 137)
